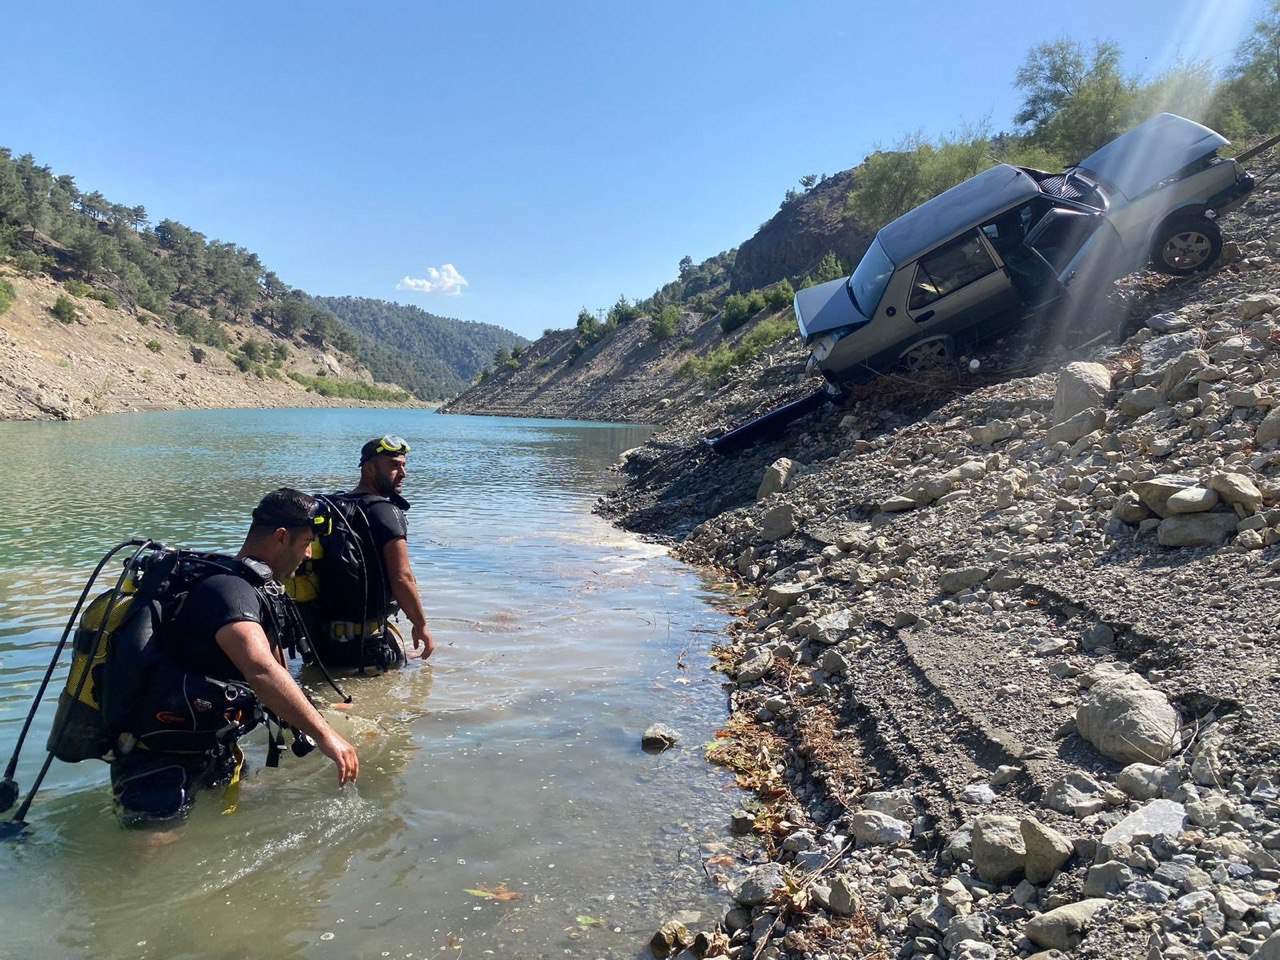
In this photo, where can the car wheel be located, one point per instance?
(1186, 245)
(928, 355)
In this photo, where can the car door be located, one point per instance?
(959, 285)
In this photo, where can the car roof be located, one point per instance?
(964, 205)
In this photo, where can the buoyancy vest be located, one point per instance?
(344, 579)
(124, 691)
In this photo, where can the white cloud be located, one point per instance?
(445, 279)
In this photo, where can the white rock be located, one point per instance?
(872, 829)
(1065, 927)
(1081, 386)
(999, 853)
(1128, 720)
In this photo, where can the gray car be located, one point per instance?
(1012, 242)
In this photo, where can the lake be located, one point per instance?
(504, 806)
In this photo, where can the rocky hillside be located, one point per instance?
(107, 360)
(793, 241)
(631, 375)
(1009, 685)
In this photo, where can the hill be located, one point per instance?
(218, 295)
(433, 356)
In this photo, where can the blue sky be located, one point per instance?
(555, 154)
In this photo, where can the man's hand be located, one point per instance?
(343, 756)
(422, 638)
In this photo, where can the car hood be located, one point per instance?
(1151, 152)
(825, 307)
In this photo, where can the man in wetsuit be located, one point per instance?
(231, 628)
(376, 517)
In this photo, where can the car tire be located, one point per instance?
(932, 354)
(1186, 245)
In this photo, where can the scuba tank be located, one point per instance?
(122, 693)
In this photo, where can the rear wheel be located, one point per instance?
(1186, 245)
(928, 355)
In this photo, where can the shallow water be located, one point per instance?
(509, 764)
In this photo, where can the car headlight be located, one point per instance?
(822, 347)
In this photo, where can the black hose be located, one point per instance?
(56, 739)
(770, 425)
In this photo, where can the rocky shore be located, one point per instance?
(1009, 685)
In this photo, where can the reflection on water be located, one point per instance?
(511, 762)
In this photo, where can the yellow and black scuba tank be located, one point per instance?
(123, 690)
(343, 578)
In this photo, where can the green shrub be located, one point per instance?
(7, 295)
(28, 263)
(349, 389)
(155, 346)
(664, 324)
(77, 288)
(256, 350)
(200, 328)
(105, 297)
(622, 312)
(685, 344)
(64, 308)
(829, 268)
(716, 365)
(780, 295)
(735, 313)
(590, 329)
(511, 363)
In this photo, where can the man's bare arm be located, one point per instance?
(404, 587)
(246, 645)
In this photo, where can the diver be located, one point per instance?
(228, 633)
(360, 575)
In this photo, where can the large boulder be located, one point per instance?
(1159, 818)
(1065, 927)
(1128, 720)
(1192, 500)
(872, 829)
(1238, 490)
(1268, 429)
(1047, 850)
(999, 853)
(1196, 530)
(777, 477)
(1079, 425)
(778, 522)
(1081, 386)
(1155, 493)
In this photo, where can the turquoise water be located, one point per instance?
(510, 762)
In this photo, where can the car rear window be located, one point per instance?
(869, 279)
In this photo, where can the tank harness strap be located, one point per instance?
(232, 792)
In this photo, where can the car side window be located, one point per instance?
(947, 270)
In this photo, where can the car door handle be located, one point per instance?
(927, 315)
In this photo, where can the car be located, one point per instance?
(1013, 242)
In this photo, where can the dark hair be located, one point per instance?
(284, 507)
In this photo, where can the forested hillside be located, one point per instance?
(433, 356)
(218, 294)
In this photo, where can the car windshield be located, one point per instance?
(869, 278)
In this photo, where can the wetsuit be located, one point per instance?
(150, 785)
(354, 643)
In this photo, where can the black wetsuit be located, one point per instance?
(150, 785)
(378, 522)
